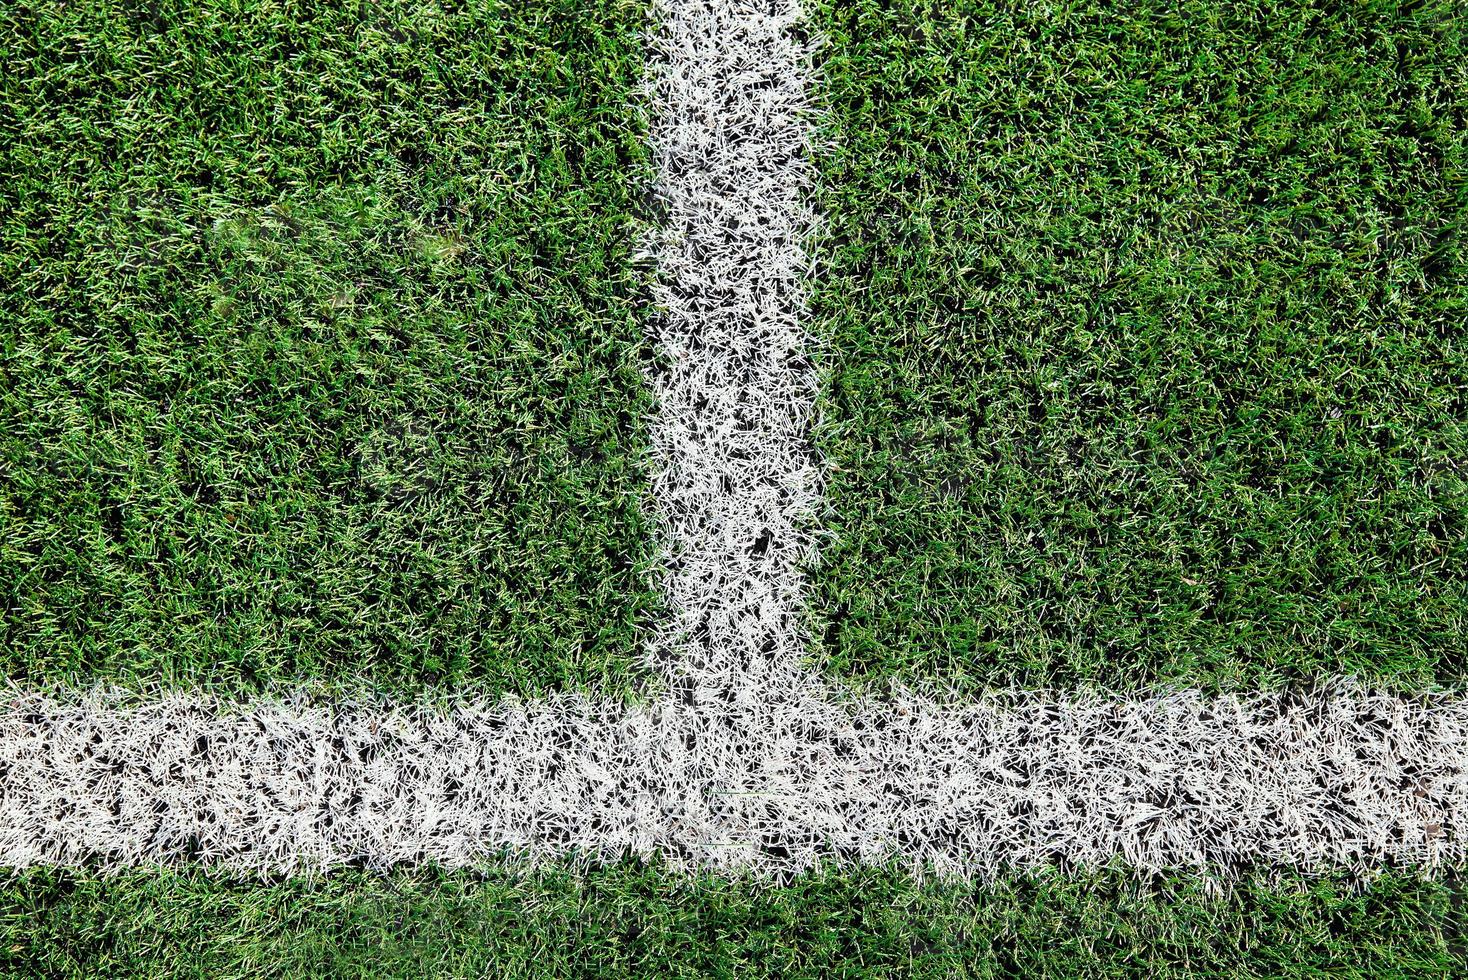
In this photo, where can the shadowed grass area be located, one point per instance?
(1148, 357)
(636, 921)
(320, 348)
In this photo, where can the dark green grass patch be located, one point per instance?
(1148, 348)
(319, 342)
(632, 921)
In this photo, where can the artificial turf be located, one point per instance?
(1145, 348)
(320, 343)
(320, 357)
(637, 921)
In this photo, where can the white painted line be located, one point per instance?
(1339, 778)
(736, 484)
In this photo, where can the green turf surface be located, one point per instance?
(629, 921)
(320, 350)
(1148, 359)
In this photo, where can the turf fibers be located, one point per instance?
(321, 345)
(1145, 358)
(633, 920)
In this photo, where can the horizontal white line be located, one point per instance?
(1337, 778)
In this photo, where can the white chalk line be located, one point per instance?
(749, 762)
(735, 484)
(1337, 778)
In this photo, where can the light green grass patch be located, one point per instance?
(1147, 358)
(320, 350)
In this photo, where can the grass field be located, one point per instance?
(322, 355)
(322, 358)
(635, 921)
(1146, 349)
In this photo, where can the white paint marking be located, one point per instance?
(736, 484)
(1340, 778)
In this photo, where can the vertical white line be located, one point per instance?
(736, 484)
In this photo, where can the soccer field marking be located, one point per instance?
(735, 483)
(1338, 778)
(748, 761)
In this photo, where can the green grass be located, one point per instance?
(1147, 348)
(634, 921)
(320, 350)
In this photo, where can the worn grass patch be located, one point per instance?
(636, 921)
(1147, 350)
(320, 352)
